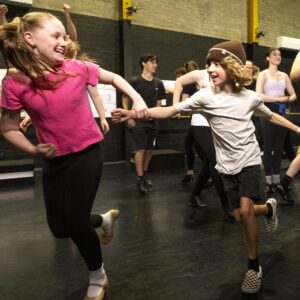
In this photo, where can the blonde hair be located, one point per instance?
(72, 50)
(19, 54)
(236, 73)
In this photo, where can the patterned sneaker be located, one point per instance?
(252, 281)
(108, 231)
(272, 223)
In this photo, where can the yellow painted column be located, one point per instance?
(126, 5)
(253, 20)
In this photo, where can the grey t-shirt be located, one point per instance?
(229, 116)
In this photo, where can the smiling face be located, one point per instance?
(274, 57)
(217, 74)
(48, 41)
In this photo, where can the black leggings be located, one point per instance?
(274, 139)
(206, 150)
(189, 149)
(70, 185)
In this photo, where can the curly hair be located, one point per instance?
(236, 73)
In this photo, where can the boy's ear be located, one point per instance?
(29, 39)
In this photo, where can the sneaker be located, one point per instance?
(141, 185)
(147, 180)
(283, 193)
(269, 190)
(272, 223)
(187, 180)
(196, 201)
(252, 281)
(108, 231)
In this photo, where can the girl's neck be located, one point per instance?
(272, 69)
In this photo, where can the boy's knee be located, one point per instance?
(246, 213)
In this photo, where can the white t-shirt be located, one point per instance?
(229, 116)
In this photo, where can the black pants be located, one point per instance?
(70, 184)
(274, 139)
(189, 144)
(206, 150)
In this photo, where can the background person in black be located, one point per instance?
(189, 144)
(144, 131)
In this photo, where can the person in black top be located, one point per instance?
(144, 131)
(189, 90)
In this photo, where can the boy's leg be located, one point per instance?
(253, 277)
(248, 219)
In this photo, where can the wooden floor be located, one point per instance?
(162, 249)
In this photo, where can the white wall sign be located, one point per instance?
(109, 98)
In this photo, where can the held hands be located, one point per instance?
(141, 110)
(47, 150)
(120, 115)
(131, 123)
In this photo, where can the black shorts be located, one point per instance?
(247, 183)
(143, 138)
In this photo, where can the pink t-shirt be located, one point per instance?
(62, 116)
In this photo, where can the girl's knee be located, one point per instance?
(59, 234)
(58, 230)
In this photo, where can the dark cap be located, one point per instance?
(234, 49)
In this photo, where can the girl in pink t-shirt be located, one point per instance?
(53, 91)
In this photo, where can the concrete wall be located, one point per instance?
(211, 18)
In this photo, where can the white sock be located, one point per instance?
(276, 179)
(107, 221)
(269, 179)
(97, 277)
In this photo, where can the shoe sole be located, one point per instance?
(250, 291)
(105, 239)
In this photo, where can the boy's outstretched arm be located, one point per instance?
(120, 115)
(279, 120)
